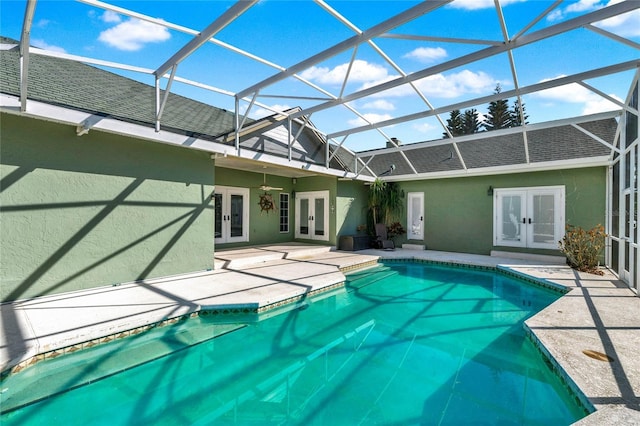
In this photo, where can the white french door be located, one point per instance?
(415, 215)
(312, 215)
(231, 214)
(529, 217)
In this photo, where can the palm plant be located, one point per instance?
(385, 201)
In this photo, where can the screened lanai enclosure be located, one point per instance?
(381, 84)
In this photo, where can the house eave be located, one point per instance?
(86, 122)
(601, 161)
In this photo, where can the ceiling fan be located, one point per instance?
(265, 187)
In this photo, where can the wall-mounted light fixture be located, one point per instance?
(294, 181)
(392, 167)
(490, 191)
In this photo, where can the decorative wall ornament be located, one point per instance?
(266, 203)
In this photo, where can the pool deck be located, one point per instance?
(599, 313)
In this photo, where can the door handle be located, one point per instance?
(420, 218)
(529, 220)
(524, 220)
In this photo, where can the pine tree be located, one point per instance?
(470, 121)
(498, 116)
(454, 124)
(516, 118)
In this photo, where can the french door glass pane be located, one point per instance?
(635, 270)
(218, 215)
(615, 255)
(319, 217)
(627, 248)
(236, 215)
(543, 218)
(304, 216)
(284, 212)
(511, 214)
(416, 218)
(627, 215)
(615, 211)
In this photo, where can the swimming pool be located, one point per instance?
(403, 343)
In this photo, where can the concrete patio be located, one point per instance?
(599, 313)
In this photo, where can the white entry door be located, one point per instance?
(415, 216)
(231, 214)
(312, 215)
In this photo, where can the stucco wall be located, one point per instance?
(264, 227)
(459, 213)
(351, 206)
(80, 212)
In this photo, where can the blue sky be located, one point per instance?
(286, 32)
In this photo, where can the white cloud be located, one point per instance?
(479, 4)
(580, 6)
(584, 6)
(576, 94)
(373, 118)
(625, 25)
(380, 104)
(445, 86)
(46, 46)
(427, 54)
(263, 112)
(361, 71)
(41, 23)
(423, 127)
(601, 105)
(110, 17)
(133, 34)
(555, 16)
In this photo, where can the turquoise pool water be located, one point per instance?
(403, 343)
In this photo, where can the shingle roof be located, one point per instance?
(559, 143)
(78, 86)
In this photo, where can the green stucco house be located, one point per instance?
(92, 195)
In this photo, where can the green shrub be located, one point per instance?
(583, 248)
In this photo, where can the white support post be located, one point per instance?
(157, 103)
(237, 124)
(326, 153)
(246, 114)
(290, 139)
(25, 40)
(167, 90)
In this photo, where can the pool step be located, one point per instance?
(369, 276)
(250, 256)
